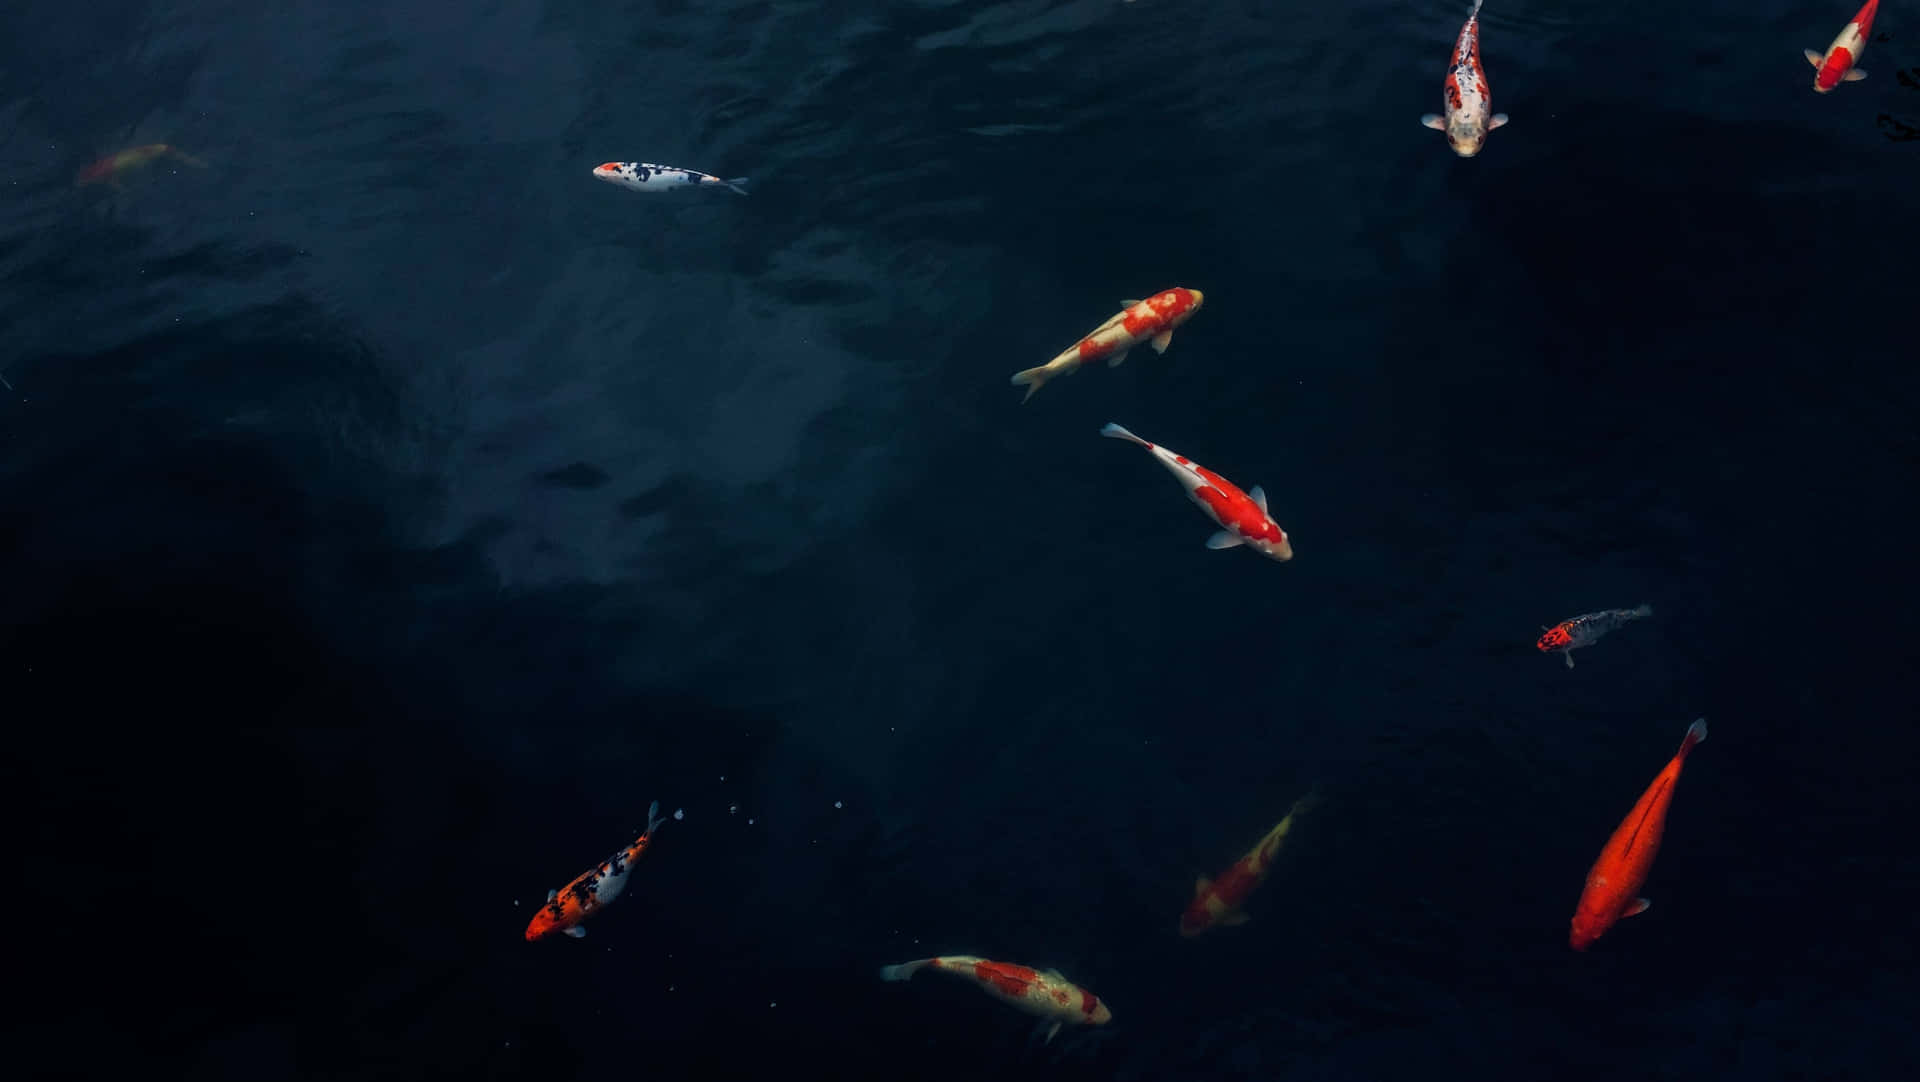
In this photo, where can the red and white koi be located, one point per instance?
(1570, 635)
(1218, 901)
(648, 177)
(1836, 66)
(1151, 320)
(592, 890)
(1613, 883)
(1242, 516)
(1468, 102)
(1055, 999)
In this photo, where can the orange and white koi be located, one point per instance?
(592, 890)
(1218, 901)
(1055, 999)
(1569, 635)
(1613, 885)
(1468, 102)
(1242, 516)
(648, 177)
(1836, 66)
(1151, 320)
(111, 168)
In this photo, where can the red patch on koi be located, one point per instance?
(1010, 979)
(1140, 325)
(1836, 67)
(1555, 638)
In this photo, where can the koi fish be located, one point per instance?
(1836, 66)
(1054, 998)
(1569, 635)
(648, 177)
(112, 167)
(1613, 885)
(1242, 516)
(1218, 901)
(1465, 93)
(1151, 320)
(591, 891)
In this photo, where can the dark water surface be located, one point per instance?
(391, 511)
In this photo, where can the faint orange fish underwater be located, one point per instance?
(111, 168)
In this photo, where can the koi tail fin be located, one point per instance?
(1475, 12)
(902, 972)
(1642, 611)
(654, 818)
(1305, 803)
(738, 184)
(4, 383)
(1115, 432)
(1032, 379)
(189, 159)
(1695, 734)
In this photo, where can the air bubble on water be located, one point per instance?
(679, 813)
(837, 804)
(733, 809)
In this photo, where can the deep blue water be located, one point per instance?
(391, 511)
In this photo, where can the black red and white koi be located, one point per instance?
(1570, 635)
(1469, 103)
(592, 890)
(648, 177)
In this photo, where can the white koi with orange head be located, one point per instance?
(1242, 516)
(1469, 103)
(1056, 1000)
(1151, 320)
(1836, 65)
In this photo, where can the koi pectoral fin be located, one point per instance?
(577, 932)
(1812, 57)
(1162, 340)
(1235, 919)
(1569, 656)
(1432, 120)
(1224, 539)
(1638, 907)
(1117, 359)
(1853, 75)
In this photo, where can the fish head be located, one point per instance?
(1583, 933)
(542, 926)
(1555, 638)
(1196, 919)
(1271, 541)
(1466, 134)
(1100, 1015)
(623, 173)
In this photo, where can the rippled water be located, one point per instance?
(394, 510)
